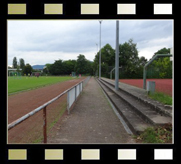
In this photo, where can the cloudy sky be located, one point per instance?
(44, 41)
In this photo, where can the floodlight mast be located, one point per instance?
(117, 57)
(100, 53)
(96, 74)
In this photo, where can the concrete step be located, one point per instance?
(140, 95)
(136, 124)
(144, 111)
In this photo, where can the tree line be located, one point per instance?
(26, 69)
(79, 66)
(129, 61)
(131, 64)
(59, 67)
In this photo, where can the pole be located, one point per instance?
(117, 57)
(149, 62)
(44, 125)
(100, 54)
(144, 78)
(68, 102)
(97, 64)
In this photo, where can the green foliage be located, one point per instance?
(80, 66)
(46, 69)
(160, 67)
(15, 62)
(161, 97)
(69, 66)
(22, 63)
(56, 68)
(149, 136)
(27, 69)
(132, 65)
(107, 58)
(60, 67)
(158, 134)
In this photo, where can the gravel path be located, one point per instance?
(92, 120)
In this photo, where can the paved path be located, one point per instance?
(92, 120)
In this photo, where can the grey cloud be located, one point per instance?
(82, 36)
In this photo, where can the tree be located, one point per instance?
(142, 61)
(27, 69)
(22, 63)
(107, 59)
(161, 67)
(56, 68)
(129, 59)
(108, 55)
(69, 66)
(15, 62)
(80, 66)
(163, 51)
(46, 68)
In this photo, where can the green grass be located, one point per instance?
(161, 97)
(51, 124)
(26, 83)
(156, 135)
(63, 109)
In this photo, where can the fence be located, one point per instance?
(72, 95)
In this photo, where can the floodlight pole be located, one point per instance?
(117, 57)
(97, 65)
(100, 54)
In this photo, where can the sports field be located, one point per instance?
(31, 129)
(26, 83)
(161, 85)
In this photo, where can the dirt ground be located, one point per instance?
(24, 102)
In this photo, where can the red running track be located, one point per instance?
(162, 85)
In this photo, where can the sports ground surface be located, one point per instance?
(19, 104)
(161, 85)
(16, 84)
(24, 102)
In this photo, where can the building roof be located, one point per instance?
(13, 69)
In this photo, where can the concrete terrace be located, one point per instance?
(92, 120)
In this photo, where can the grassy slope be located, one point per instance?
(25, 83)
(161, 97)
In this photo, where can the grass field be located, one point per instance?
(26, 83)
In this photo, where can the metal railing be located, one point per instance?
(72, 95)
(149, 62)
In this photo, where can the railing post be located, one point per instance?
(144, 78)
(68, 102)
(75, 93)
(44, 125)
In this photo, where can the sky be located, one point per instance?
(40, 42)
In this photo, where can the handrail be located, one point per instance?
(149, 62)
(14, 123)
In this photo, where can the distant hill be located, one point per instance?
(38, 66)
